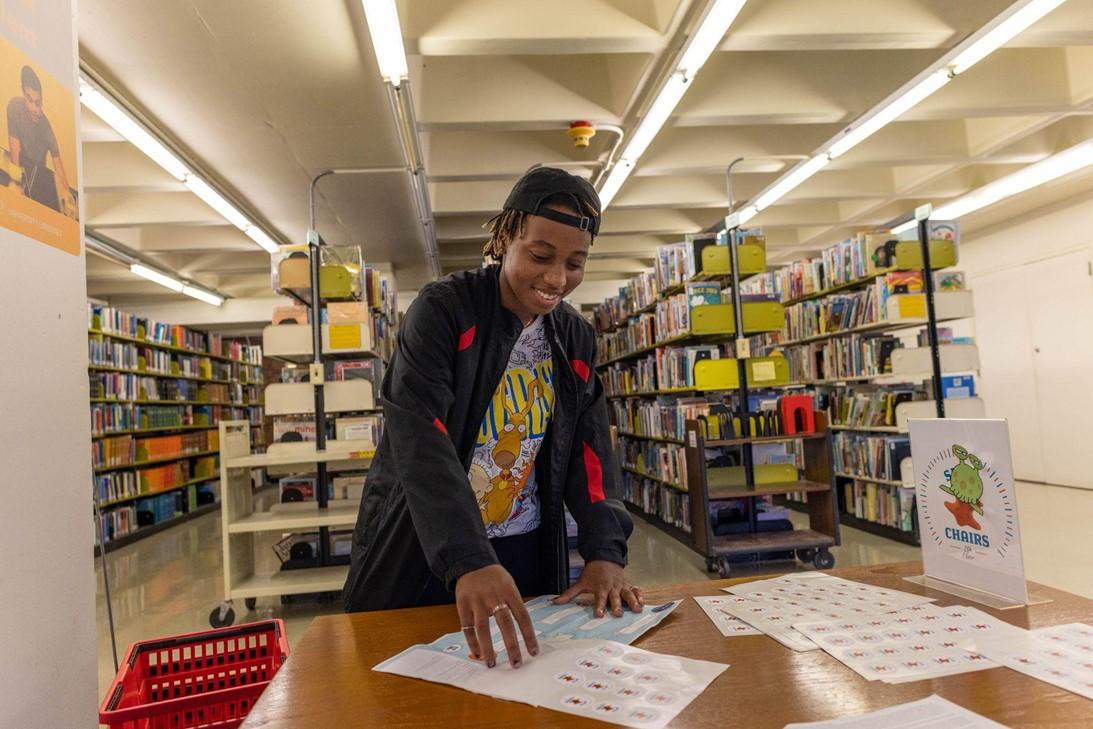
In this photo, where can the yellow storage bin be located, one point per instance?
(732, 477)
(759, 316)
(716, 261)
(721, 374)
(888, 254)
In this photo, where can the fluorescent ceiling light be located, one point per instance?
(1045, 170)
(160, 278)
(794, 178)
(740, 217)
(131, 130)
(1002, 33)
(216, 201)
(904, 227)
(894, 109)
(709, 34)
(655, 117)
(259, 236)
(202, 295)
(614, 181)
(698, 49)
(386, 35)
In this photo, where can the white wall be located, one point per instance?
(1002, 255)
(47, 581)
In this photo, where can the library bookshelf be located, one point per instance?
(157, 392)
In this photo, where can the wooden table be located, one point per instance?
(328, 681)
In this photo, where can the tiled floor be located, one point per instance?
(169, 583)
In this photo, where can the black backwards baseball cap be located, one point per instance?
(540, 183)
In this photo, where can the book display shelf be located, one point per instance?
(857, 337)
(158, 392)
(702, 444)
(325, 426)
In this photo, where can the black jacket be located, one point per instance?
(419, 514)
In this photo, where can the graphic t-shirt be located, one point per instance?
(502, 471)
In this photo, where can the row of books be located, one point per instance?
(875, 407)
(110, 417)
(638, 293)
(892, 506)
(115, 485)
(664, 417)
(853, 356)
(128, 518)
(665, 461)
(639, 333)
(835, 313)
(629, 379)
(132, 450)
(665, 503)
(870, 456)
(109, 320)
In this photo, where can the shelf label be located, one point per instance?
(912, 306)
(345, 336)
(763, 371)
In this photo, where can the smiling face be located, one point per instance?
(542, 265)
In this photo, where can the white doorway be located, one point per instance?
(1034, 329)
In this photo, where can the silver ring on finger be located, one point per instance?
(499, 608)
(465, 628)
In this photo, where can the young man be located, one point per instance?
(495, 418)
(30, 139)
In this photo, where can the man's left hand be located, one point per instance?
(608, 584)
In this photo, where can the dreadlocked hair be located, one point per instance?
(510, 224)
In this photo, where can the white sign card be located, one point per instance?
(967, 505)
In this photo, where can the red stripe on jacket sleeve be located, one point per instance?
(439, 426)
(581, 368)
(593, 471)
(466, 339)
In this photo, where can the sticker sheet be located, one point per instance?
(925, 713)
(597, 679)
(1061, 655)
(774, 606)
(920, 642)
(728, 625)
(567, 622)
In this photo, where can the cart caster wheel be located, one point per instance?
(824, 560)
(222, 617)
(250, 602)
(711, 564)
(724, 568)
(806, 555)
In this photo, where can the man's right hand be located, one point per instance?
(491, 591)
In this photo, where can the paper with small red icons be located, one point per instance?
(1061, 655)
(728, 625)
(597, 679)
(914, 644)
(774, 606)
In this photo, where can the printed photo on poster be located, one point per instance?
(39, 196)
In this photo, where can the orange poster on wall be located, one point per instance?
(39, 195)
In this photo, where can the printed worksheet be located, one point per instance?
(567, 622)
(598, 679)
(914, 644)
(1061, 655)
(728, 625)
(929, 713)
(773, 606)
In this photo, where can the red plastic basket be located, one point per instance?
(197, 680)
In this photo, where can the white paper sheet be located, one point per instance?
(773, 606)
(930, 713)
(567, 622)
(920, 642)
(728, 625)
(1061, 655)
(597, 679)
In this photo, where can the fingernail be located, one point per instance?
(533, 651)
(491, 664)
(516, 664)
